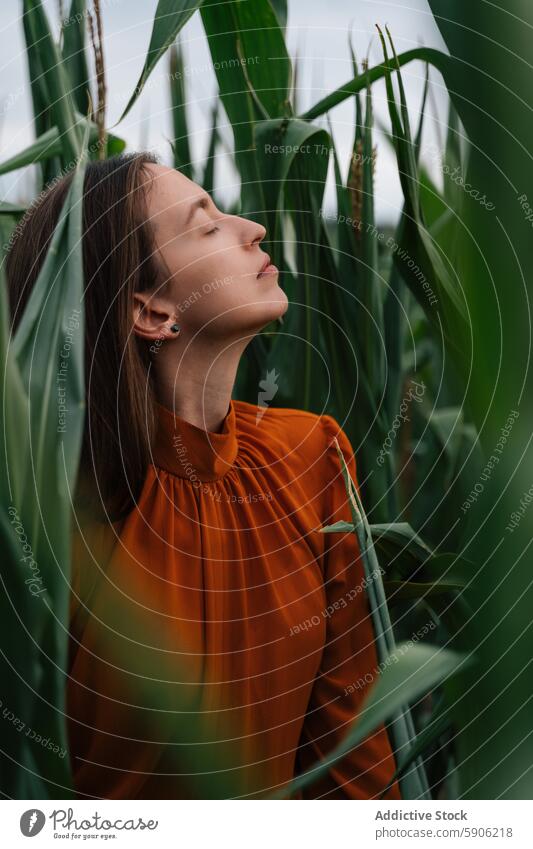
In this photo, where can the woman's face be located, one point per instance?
(213, 260)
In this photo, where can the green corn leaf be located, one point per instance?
(253, 72)
(11, 208)
(170, 17)
(414, 784)
(396, 307)
(398, 540)
(45, 147)
(49, 145)
(42, 445)
(409, 672)
(208, 179)
(293, 183)
(337, 528)
(371, 285)
(447, 425)
(182, 153)
(280, 8)
(397, 591)
(74, 55)
(452, 159)
(425, 54)
(437, 725)
(346, 247)
(251, 56)
(279, 145)
(417, 257)
(40, 102)
(490, 85)
(402, 550)
(54, 82)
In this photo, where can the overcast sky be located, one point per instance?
(318, 31)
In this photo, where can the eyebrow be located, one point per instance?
(200, 203)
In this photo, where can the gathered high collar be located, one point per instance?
(189, 451)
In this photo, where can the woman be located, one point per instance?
(219, 641)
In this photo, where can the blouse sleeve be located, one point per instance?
(349, 663)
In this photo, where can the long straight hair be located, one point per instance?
(118, 260)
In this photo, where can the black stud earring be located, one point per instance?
(175, 328)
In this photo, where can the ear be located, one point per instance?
(152, 317)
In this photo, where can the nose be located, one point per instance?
(260, 233)
(252, 231)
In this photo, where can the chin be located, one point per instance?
(276, 306)
(284, 303)
(264, 313)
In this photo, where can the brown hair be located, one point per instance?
(118, 260)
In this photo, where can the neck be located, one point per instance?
(195, 380)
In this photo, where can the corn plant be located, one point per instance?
(445, 300)
(41, 447)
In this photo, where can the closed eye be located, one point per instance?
(214, 230)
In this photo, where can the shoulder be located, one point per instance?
(310, 436)
(286, 422)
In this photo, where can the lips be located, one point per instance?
(265, 264)
(267, 267)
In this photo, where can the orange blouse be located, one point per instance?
(218, 639)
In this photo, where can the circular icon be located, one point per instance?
(31, 822)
